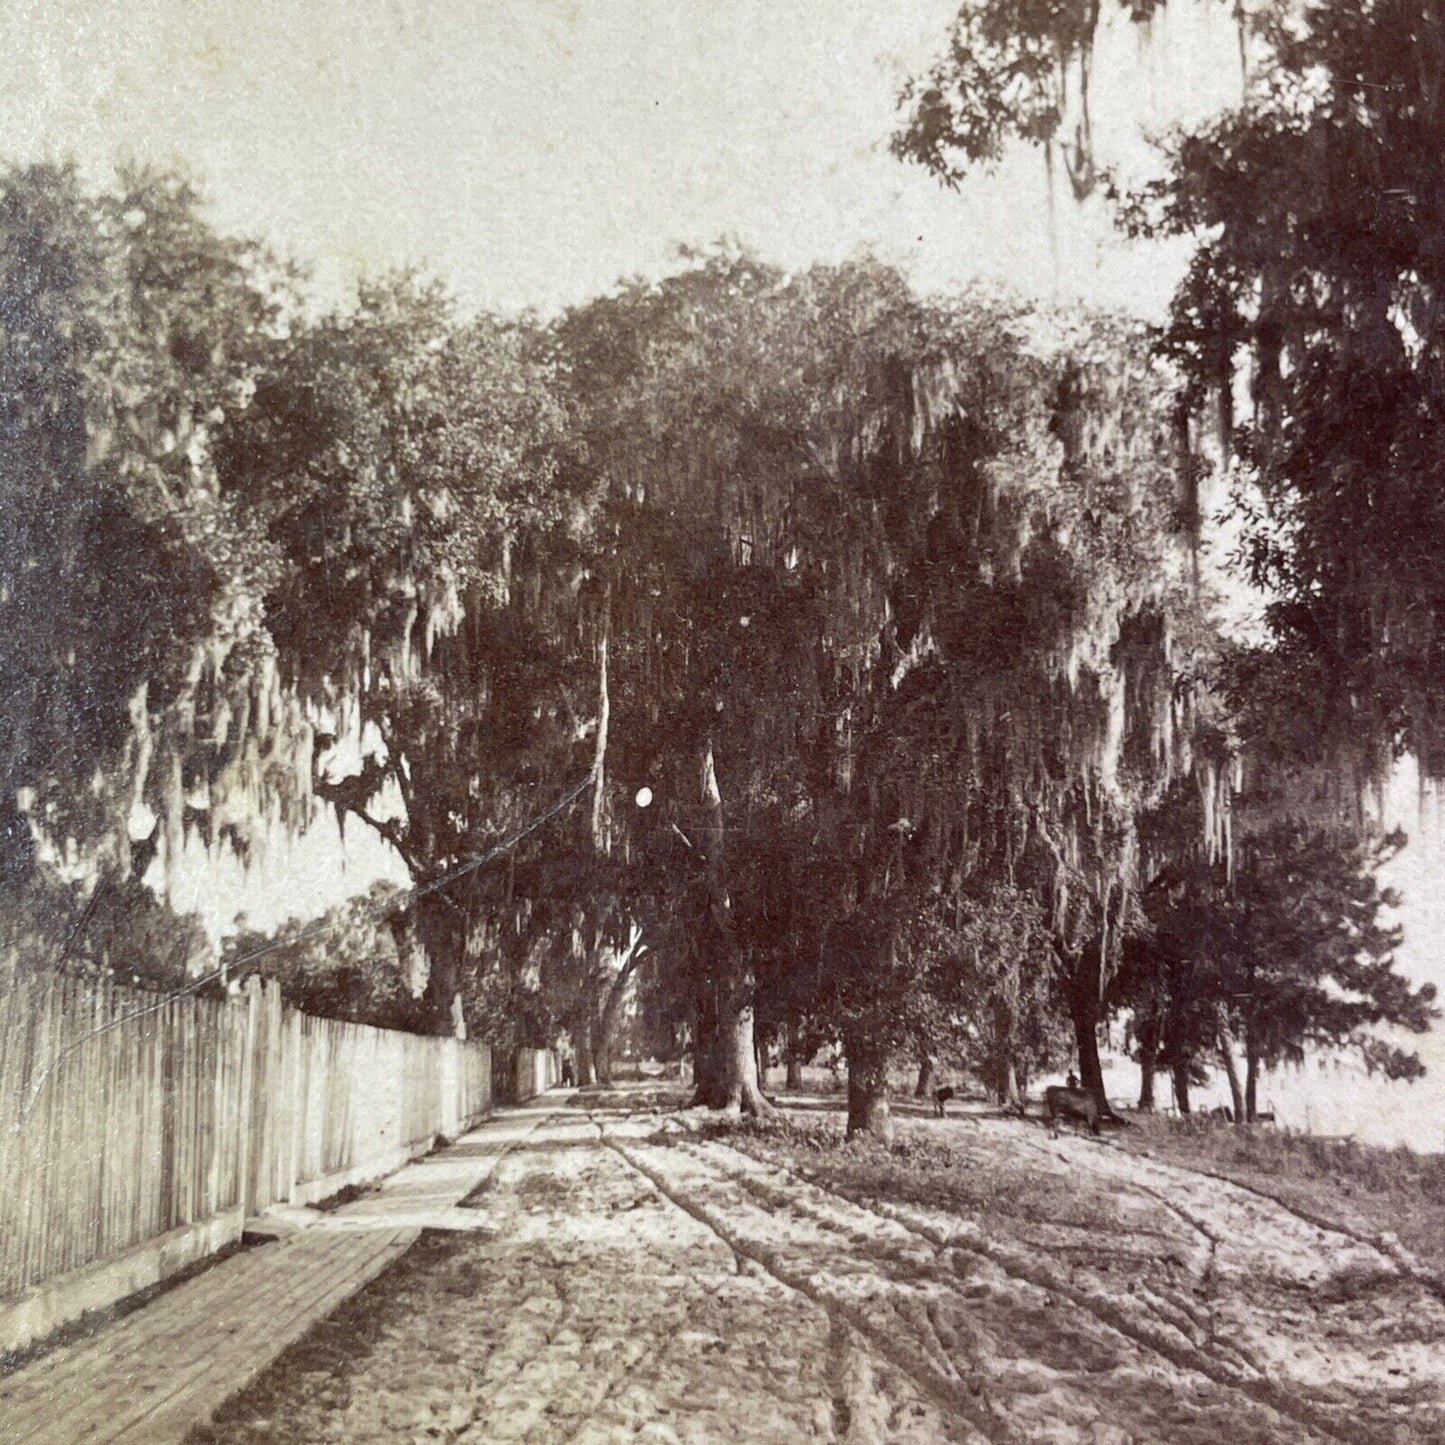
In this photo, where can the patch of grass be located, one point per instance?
(1264, 1150)
(1267, 1150)
(545, 1191)
(1366, 1190)
(781, 1130)
(918, 1169)
(658, 1098)
(347, 1194)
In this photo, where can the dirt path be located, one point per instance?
(645, 1283)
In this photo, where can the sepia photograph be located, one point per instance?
(722, 722)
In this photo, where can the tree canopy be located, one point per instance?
(131, 628)
(834, 659)
(1310, 298)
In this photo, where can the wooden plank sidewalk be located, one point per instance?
(148, 1378)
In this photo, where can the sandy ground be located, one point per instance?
(647, 1283)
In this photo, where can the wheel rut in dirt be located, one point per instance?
(945, 1388)
(1386, 1244)
(1017, 1356)
(1223, 1370)
(1324, 1312)
(645, 1281)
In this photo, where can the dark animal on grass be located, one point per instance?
(1077, 1104)
(941, 1097)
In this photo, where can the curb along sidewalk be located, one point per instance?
(149, 1377)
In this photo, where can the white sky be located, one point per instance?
(531, 153)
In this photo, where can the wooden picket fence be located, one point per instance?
(125, 1117)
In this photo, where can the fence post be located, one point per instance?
(298, 1103)
(245, 1193)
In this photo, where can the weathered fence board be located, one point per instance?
(129, 1122)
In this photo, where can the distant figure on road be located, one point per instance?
(1073, 1080)
(567, 1073)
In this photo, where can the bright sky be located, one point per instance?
(532, 152)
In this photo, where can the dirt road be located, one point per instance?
(647, 1283)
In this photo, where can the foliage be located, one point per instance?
(899, 578)
(888, 603)
(406, 468)
(348, 964)
(1286, 949)
(1315, 209)
(117, 930)
(1005, 76)
(1316, 962)
(988, 969)
(129, 588)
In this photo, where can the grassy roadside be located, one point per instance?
(1367, 1190)
(1364, 1190)
(967, 1177)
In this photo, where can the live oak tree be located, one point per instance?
(1305, 337)
(1312, 295)
(842, 577)
(1316, 278)
(407, 470)
(1018, 71)
(132, 653)
(890, 588)
(254, 558)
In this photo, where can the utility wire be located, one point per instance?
(321, 926)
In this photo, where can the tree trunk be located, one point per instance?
(601, 1060)
(733, 1073)
(1180, 1068)
(741, 1063)
(441, 930)
(1251, 1080)
(1011, 1094)
(1231, 1072)
(762, 1057)
(795, 1061)
(600, 839)
(1086, 1040)
(582, 1054)
(601, 1055)
(708, 1074)
(1085, 1008)
(1003, 1075)
(1173, 1032)
(1148, 1036)
(923, 1089)
(607, 1019)
(868, 1111)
